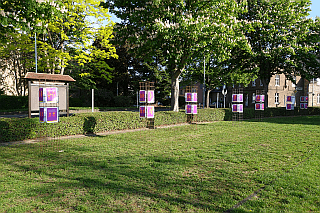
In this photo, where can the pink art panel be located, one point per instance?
(194, 97)
(194, 109)
(150, 112)
(52, 95)
(151, 96)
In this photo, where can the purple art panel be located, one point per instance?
(150, 112)
(150, 96)
(306, 98)
(188, 109)
(234, 98)
(52, 95)
(194, 109)
(52, 114)
(289, 99)
(41, 115)
(305, 106)
(234, 107)
(302, 99)
(188, 97)
(258, 98)
(41, 98)
(257, 107)
(290, 106)
(142, 112)
(142, 96)
(301, 105)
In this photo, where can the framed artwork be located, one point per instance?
(150, 96)
(150, 111)
(142, 96)
(289, 106)
(142, 111)
(194, 97)
(49, 114)
(289, 99)
(188, 97)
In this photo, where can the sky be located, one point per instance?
(315, 11)
(315, 8)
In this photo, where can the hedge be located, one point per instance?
(13, 102)
(16, 129)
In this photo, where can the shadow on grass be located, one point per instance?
(154, 181)
(301, 120)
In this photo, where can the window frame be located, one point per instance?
(277, 80)
(276, 98)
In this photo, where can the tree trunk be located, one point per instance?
(208, 98)
(175, 93)
(265, 88)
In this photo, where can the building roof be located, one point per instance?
(48, 77)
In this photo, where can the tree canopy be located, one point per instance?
(178, 30)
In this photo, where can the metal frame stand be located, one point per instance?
(237, 116)
(191, 118)
(147, 85)
(259, 114)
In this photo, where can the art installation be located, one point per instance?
(303, 98)
(237, 97)
(48, 95)
(191, 97)
(303, 106)
(142, 96)
(191, 109)
(259, 98)
(237, 108)
(150, 111)
(289, 106)
(289, 99)
(142, 111)
(49, 114)
(150, 98)
(259, 106)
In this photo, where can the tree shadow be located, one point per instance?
(294, 120)
(89, 125)
(121, 175)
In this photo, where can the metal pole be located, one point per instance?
(92, 100)
(137, 99)
(35, 48)
(204, 80)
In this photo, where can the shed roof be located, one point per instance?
(48, 77)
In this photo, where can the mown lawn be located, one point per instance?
(195, 168)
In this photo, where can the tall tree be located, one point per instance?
(26, 15)
(281, 40)
(179, 30)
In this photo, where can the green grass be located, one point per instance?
(193, 168)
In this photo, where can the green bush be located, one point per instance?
(15, 129)
(13, 102)
(123, 101)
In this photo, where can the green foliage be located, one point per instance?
(13, 102)
(123, 101)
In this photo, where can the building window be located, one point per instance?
(276, 98)
(254, 82)
(294, 80)
(277, 80)
(253, 97)
(318, 98)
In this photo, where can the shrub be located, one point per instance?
(13, 102)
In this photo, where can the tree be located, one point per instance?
(179, 30)
(81, 24)
(281, 40)
(26, 15)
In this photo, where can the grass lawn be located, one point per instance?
(195, 168)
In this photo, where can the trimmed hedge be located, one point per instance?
(13, 102)
(16, 129)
